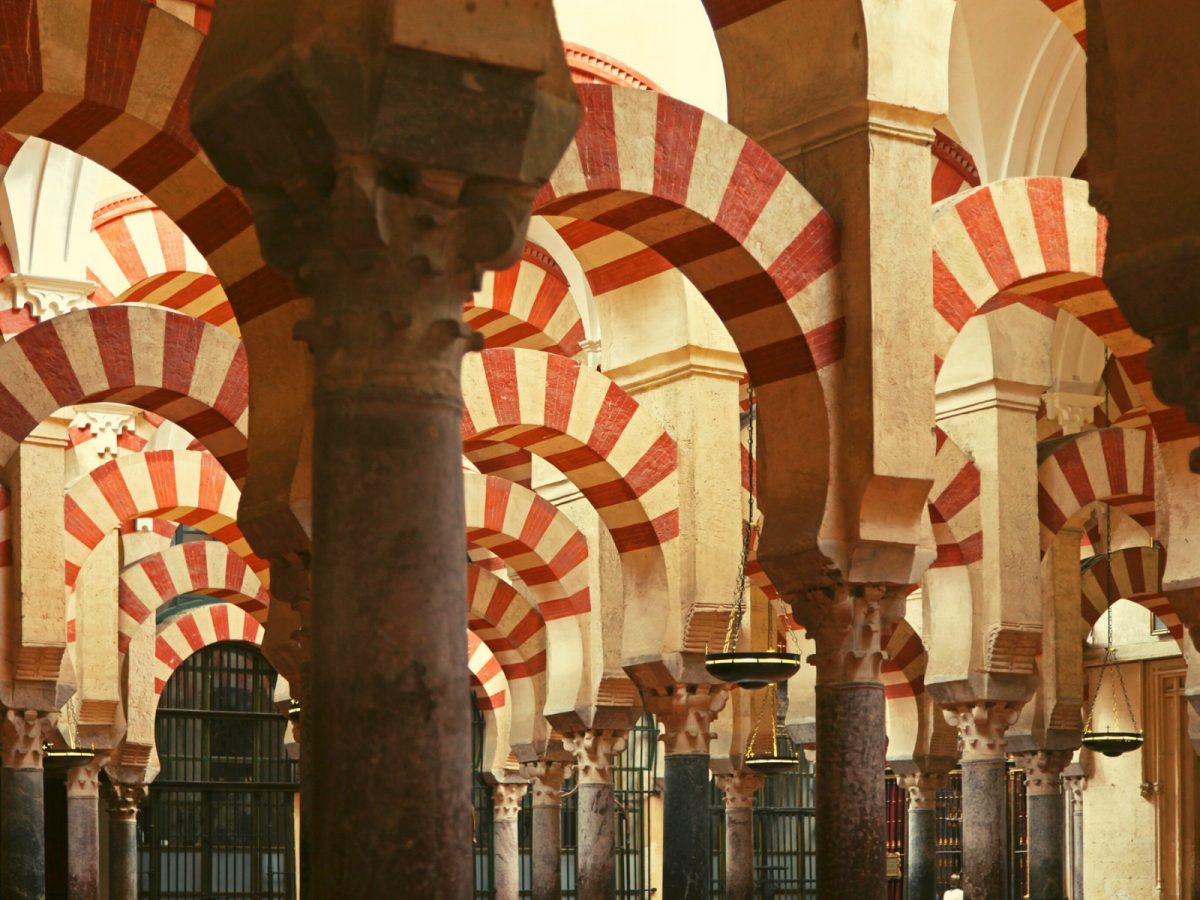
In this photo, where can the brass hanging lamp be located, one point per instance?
(776, 762)
(70, 755)
(750, 669)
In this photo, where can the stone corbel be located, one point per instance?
(1073, 410)
(46, 297)
(107, 422)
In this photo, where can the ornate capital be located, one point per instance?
(1043, 770)
(981, 726)
(506, 800)
(23, 734)
(594, 751)
(739, 788)
(846, 622)
(106, 421)
(123, 799)
(922, 788)
(84, 781)
(1076, 784)
(686, 712)
(1073, 410)
(46, 297)
(546, 780)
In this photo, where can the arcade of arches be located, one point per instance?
(358, 359)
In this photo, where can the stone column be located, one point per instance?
(921, 869)
(739, 791)
(545, 779)
(1076, 785)
(981, 725)
(594, 751)
(686, 712)
(23, 812)
(845, 622)
(83, 830)
(1044, 821)
(385, 208)
(123, 800)
(506, 805)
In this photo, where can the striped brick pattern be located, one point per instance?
(954, 168)
(903, 669)
(1071, 14)
(191, 293)
(507, 623)
(578, 420)
(163, 362)
(488, 683)
(651, 183)
(197, 567)
(181, 636)
(1135, 573)
(1114, 465)
(534, 539)
(181, 486)
(954, 505)
(112, 79)
(528, 305)
(502, 460)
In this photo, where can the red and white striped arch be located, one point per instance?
(166, 363)
(196, 567)
(194, 294)
(954, 505)
(537, 541)
(181, 636)
(527, 305)
(652, 184)
(954, 168)
(182, 486)
(1071, 14)
(1114, 465)
(578, 420)
(903, 669)
(488, 683)
(1133, 573)
(507, 623)
(1037, 237)
(112, 80)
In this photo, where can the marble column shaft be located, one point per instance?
(123, 802)
(921, 868)
(546, 783)
(83, 831)
(506, 869)
(1076, 785)
(23, 812)
(739, 791)
(1044, 822)
(595, 841)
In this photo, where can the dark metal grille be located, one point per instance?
(949, 833)
(218, 822)
(895, 803)
(633, 786)
(481, 801)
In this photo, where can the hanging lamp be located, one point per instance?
(750, 669)
(1108, 741)
(776, 762)
(69, 756)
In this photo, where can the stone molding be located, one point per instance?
(546, 780)
(1043, 770)
(846, 622)
(24, 731)
(686, 713)
(739, 788)
(1073, 410)
(594, 750)
(506, 800)
(123, 799)
(46, 297)
(84, 781)
(981, 726)
(922, 788)
(106, 421)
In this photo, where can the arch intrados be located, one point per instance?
(501, 616)
(198, 295)
(178, 637)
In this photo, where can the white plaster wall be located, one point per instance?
(671, 42)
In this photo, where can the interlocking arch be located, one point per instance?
(181, 636)
(527, 305)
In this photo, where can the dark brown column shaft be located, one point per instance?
(739, 791)
(83, 831)
(1044, 822)
(921, 837)
(594, 752)
(23, 812)
(123, 800)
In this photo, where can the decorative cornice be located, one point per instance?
(116, 207)
(952, 154)
(593, 67)
(46, 297)
(540, 257)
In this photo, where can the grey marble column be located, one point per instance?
(739, 789)
(506, 868)
(1044, 821)
(83, 831)
(594, 751)
(921, 865)
(123, 800)
(23, 812)
(545, 780)
(981, 726)
(1076, 785)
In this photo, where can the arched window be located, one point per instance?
(219, 819)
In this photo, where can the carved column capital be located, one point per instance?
(739, 788)
(981, 726)
(123, 799)
(1076, 784)
(546, 780)
(506, 800)
(46, 297)
(1043, 770)
(686, 713)
(922, 788)
(846, 622)
(22, 736)
(84, 781)
(594, 751)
